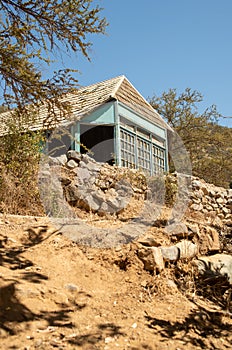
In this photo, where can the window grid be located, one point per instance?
(158, 160)
(137, 152)
(144, 154)
(127, 149)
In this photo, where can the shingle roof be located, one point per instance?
(87, 99)
(91, 97)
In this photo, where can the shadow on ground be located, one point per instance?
(12, 310)
(103, 331)
(197, 329)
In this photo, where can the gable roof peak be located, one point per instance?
(118, 88)
(120, 79)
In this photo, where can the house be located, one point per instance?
(118, 125)
(115, 122)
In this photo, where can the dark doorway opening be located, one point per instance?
(99, 140)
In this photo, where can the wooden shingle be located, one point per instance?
(87, 99)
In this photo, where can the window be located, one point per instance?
(138, 150)
(127, 148)
(158, 156)
(144, 154)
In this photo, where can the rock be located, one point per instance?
(103, 208)
(197, 207)
(65, 181)
(193, 228)
(205, 190)
(74, 155)
(226, 211)
(92, 180)
(113, 203)
(199, 194)
(216, 265)
(83, 175)
(213, 238)
(212, 193)
(111, 193)
(53, 161)
(124, 188)
(220, 200)
(115, 187)
(45, 174)
(109, 340)
(196, 200)
(148, 241)
(91, 203)
(87, 159)
(72, 193)
(38, 343)
(187, 249)
(93, 166)
(171, 253)
(228, 222)
(208, 198)
(98, 195)
(148, 258)
(177, 229)
(82, 164)
(122, 203)
(71, 164)
(71, 287)
(62, 159)
(196, 184)
(152, 258)
(208, 207)
(158, 259)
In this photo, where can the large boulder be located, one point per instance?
(216, 265)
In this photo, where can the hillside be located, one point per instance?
(58, 293)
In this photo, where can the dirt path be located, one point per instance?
(55, 294)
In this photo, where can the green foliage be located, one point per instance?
(30, 33)
(209, 145)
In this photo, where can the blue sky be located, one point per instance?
(162, 44)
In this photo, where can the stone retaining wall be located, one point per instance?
(103, 188)
(211, 200)
(99, 187)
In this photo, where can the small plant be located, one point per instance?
(19, 158)
(162, 189)
(171, 189)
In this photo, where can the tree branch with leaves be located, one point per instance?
(30, 33)
(209, 145)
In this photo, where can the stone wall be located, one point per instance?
(99, 187)
(211, 200)
(103, 188)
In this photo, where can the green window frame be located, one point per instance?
(138, 150)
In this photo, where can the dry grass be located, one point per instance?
(19, 197)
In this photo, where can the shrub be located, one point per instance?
(19, 159)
